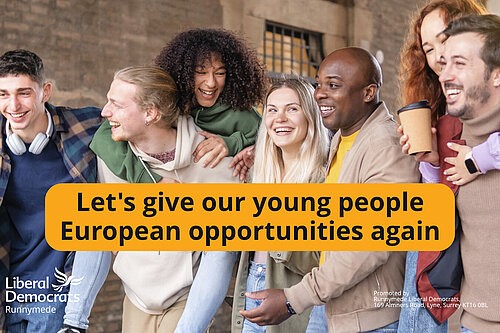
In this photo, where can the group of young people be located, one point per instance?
(190, 118)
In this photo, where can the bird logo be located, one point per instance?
(65, 280)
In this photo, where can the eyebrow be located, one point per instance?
(337, 77)
(18, 89)
(293, 103)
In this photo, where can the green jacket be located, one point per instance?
(283, 269)
(237, 128)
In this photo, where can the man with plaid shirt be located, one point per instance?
(41, 146)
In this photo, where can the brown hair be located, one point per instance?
(418, 80)
(155, 88)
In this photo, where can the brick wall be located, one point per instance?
(83, 42)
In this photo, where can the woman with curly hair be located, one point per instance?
(420, 69)
(292, 147)
(220, 80)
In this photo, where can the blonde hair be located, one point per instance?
(155, 88)
(313, 153)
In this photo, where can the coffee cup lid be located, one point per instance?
(418, 105)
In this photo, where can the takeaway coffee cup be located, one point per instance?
(416, 121)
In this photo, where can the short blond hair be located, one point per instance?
(155, 88)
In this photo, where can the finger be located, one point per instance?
(405, 148)
(450, 171)
(262, 294)
(403, 139)
(460, 182)
(202, 148)
(237, 168)
(433, 130)
(210, 158)
(244, 174)
(451, 160)
(399, 129)
(453, 178)
(452, 146)
(219, 158)
(236, 159)
(206, 134)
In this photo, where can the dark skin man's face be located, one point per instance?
(340, 93)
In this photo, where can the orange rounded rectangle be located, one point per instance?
(244, 217)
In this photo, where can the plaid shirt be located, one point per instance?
(74, 129)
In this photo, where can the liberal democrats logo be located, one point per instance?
(65, 280)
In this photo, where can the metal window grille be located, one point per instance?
(291, 50)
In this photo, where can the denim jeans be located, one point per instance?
(35, 321)
(414, 318)
(207, 291)
(317, 320)
(466, 330)
(256, 281)
(391, 328)
(93, 266)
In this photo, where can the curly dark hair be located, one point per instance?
(418, 79)
(245, 79)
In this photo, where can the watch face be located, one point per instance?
(471, 167)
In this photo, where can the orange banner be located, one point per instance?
(260, 217)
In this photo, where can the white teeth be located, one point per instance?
(282, 129)
(17, 115)
(327, 108)
(453, 91)
(207, 92)
(114, 124)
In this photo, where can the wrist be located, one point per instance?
(470, 163)
(290, 309)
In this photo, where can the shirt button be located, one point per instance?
(259, 269)
(279, 254)
(242, 294)
(238, 322)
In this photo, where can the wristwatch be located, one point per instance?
(470, 163)
(290, 309)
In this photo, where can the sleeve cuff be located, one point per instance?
(430, 173)
(483, 157)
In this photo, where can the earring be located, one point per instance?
(146, 123)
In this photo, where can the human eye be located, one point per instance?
(271, 110)
(427, 51)
(334, 85)
(220, 73)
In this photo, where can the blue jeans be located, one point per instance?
(35, 322)
(466, 330)
(93, 266)
(391, 328)
(256, 281)
(317, 320)
(207, 291)
(414, 318)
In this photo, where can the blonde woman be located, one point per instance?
(292, 147)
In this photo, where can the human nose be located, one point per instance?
(106, 112)
(446, 74)
(14, 103)
(210, 81)
(281, 116)
(319, 93)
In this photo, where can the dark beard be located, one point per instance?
(477, 93)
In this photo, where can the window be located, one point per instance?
(290, 50)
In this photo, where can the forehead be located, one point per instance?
(121, 90)
(432, 24)
(467, 45)
(20, 81)
(283, 95)
(341, 68)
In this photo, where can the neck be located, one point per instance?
(157, 140)
(289, 157)
(480, 127)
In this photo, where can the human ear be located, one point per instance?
(152, 114)
(495, 74)
(47, 90)
(370, 93)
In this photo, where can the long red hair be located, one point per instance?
(418, 80)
